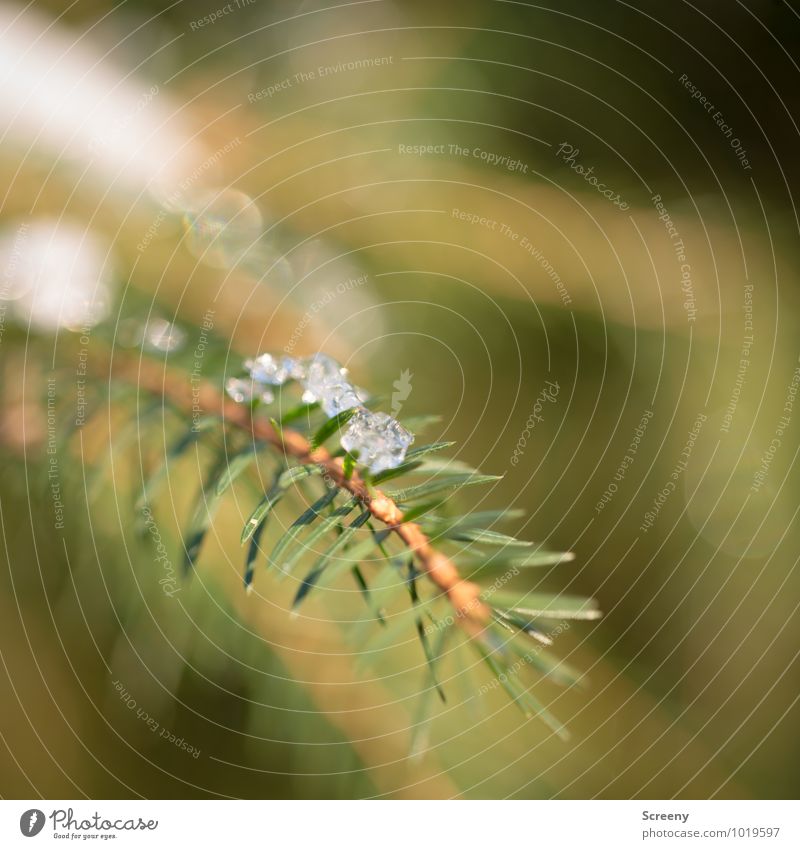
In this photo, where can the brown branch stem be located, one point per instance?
(471, 612)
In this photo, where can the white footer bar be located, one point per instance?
(388, 824)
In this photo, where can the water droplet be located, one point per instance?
(161, 335)
(274, 370)
(379, 440)
(243, 390)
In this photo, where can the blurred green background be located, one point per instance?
(309, 112)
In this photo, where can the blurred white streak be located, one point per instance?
(61, 99)
(55, 274)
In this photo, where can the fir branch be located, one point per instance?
(507, 628)
(471, 612)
